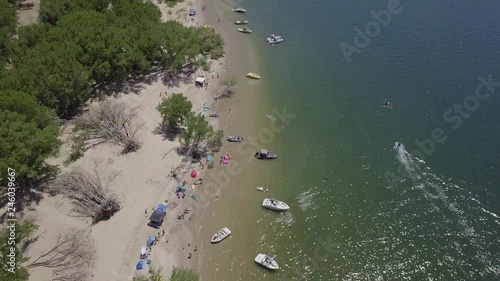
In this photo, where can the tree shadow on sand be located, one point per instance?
(27, 194)
(166, 133)
(174, 79)
(135, 83)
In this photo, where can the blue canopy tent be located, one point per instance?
(140, 265)
(192, 12)
(156, 218)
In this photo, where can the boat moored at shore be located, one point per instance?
(276, 205)
(245, 30)
(267, 261)
(240, 22)
(253, 75)
(221, 235)
(265, 154)
(274, 39)
(234, 139)
(239, 10)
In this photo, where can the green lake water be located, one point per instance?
(360, 209)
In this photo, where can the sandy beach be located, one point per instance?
(141, 179)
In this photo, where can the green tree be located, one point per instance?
(28, 136)
(197, 130)
(183, 274)
(51, 11)
(214, 142)
(8, 24)
(175, 110)
(22, 232)
(210, 42)
(51, 72)
(26, 105)
(199, 136)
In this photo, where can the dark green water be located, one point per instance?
(385, 215)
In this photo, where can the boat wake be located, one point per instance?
(429, 228)
(286, 218)
(452, 205)
(307, 200)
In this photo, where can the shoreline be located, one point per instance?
(141, 180)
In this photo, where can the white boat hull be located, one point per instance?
(267, 262)
(221, 235)
(234, 139)
(276, 205)
(276, 40)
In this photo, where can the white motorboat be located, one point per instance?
(274, 39)
(221, 235)
(239, 10)
(245, 30)
(265, 154)
(274, 204)
(234, 139)
(239, 22)
(267, 261)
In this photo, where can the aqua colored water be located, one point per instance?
(360, 209)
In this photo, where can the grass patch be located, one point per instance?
(172, 3)
(184, 274)
(203, 63)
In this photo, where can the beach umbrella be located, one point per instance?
(209, 158)
(194, 174)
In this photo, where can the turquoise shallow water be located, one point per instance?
(383, 215)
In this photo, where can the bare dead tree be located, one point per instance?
(89, 197)
(228, 88)
(71, 257)
(111, 122)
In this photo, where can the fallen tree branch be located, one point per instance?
(70, 258)
(89, 197)
(113, 123)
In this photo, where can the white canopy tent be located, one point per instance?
(200, 80)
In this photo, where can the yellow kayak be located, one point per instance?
(253, 75)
